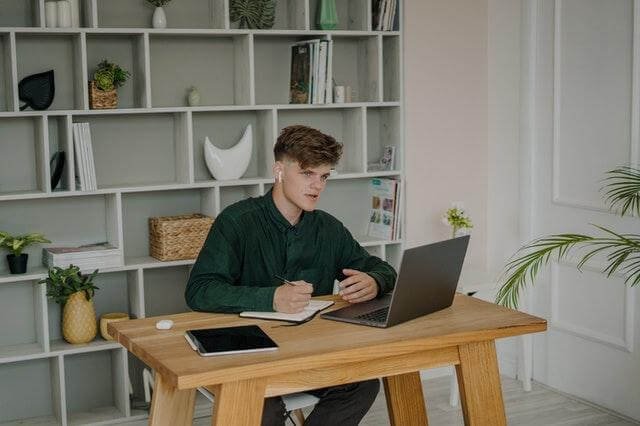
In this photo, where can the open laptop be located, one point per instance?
(426, 283)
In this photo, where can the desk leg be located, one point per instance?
(405, 401)
(479, 381)
(238, 403)
(170, 406)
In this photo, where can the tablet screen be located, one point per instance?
(219, 341)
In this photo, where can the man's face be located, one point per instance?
(302, 187)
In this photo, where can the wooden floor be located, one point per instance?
(540, 407)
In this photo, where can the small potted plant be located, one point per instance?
(106, 79)
(17, 259)
(159, 19)
(74, 291)
(458, 220)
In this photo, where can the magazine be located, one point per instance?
(384, 208)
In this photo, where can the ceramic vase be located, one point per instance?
(159, 18)
(64, 13)
(193, 98)
(51, 14)
(79, 319)
(328, 16)
(232, 163)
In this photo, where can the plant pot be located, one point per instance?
(17, 264)
(79, 319)
(99, 99)
(159, 18)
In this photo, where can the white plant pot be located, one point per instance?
(231, 163)
(159, 18)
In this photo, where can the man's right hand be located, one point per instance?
(292, 298)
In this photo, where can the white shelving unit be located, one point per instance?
(149, 162)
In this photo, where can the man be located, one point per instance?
(281, 234)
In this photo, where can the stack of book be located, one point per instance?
(384, 216)
(85, 167)
(311, 68)
(85, 257)
(384, 14)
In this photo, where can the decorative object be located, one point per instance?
(159, 19)
(232, 163)
(57, 166)
(327, 15)
(74, 290)
(64, 13)
(102, 89)
(51, 14)
(253, 14)
(178, 237)
(193, 97)
(338, 94)
(622, 190)
(111, 317)
(75, 13)
(458, 220)
(37, 91)
(18, 260)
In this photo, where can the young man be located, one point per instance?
(282, 234)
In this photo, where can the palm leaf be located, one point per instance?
(623, 189)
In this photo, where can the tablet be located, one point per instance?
(230, 340)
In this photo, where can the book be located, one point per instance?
(91, 168)
(300, 77)
(77, 155)
(322, 71)
(383, 208)
(309, 311)
(388, 157)
(329, 82)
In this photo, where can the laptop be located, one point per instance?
(426, 283)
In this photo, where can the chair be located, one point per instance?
(294, 403)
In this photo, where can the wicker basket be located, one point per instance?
(99, 99)
(178, 237)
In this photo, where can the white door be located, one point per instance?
(582, 100)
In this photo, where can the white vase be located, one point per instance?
(51, 14)
(232, 163)
(64, 14)
(159, 18)
(75, 13)
(194, 97)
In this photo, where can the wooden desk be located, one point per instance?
(323, 353)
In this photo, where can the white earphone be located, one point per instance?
(280, 176)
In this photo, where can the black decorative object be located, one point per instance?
(254, 14)
(57, 165)
(18, 264)
(37, 90)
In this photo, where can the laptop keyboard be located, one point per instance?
(379, 315)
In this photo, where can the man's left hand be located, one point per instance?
(358, 286)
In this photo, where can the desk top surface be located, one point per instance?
(316, 344)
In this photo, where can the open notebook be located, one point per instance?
(309, 311)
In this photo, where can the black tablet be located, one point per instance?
(230, 340)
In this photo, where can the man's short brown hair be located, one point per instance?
(308, 146)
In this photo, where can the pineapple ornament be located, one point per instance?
(74, 290)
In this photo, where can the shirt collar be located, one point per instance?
(278, 218)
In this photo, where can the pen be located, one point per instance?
(284, 280)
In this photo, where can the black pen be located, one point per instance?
(284, 280)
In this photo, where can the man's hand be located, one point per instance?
(292, 298)
(358, 286)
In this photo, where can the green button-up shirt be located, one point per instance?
(251, 242)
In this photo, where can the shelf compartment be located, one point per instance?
(138, 149)
(113, 295)
(232, 194)
(392, 76)
(352, 14)
(383, 129)
(139, 207)
(59, 137)
(344, 124)
(6, 80)
(23, 169)
(20, 13)
(60, 52)
(34, 396)
(217, 65)
(96, 386)
(273, 67)
(128, 52)
(24, 334)
(182, 14)
(393, 255)
(64, 220)
(224, 129)
(355, 64)
(290, 15)
(164, 290)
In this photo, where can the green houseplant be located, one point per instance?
(622, 190)
(16, 244)
(458, 220)
(74, 291)
(106, 79)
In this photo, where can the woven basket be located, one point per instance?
(99, 99)
(178, 237)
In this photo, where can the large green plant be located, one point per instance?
(18, 243)
(109, 76)
(254, 14)
(63, 282)
(622, 190)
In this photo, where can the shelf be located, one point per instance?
(22, 170)
(355, 64)
(23, 333)
(391, 69)
(182, 14)
(383, 128)
(19, 13)
(164, 291)
(232, 194)
(6, 85)
(352, 14)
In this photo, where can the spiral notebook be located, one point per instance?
(309, 311)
